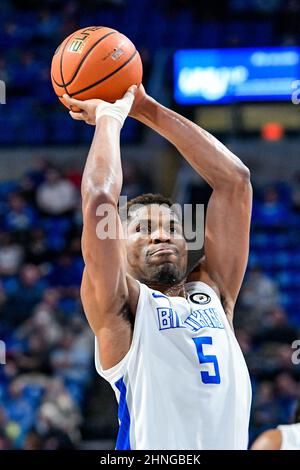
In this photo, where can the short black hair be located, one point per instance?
(145, 200)
(297, 412)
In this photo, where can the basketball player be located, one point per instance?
(284, 437)
(164, 339)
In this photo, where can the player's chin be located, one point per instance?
(166, 272)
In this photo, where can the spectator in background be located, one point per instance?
(134, 182)
(66, 272)
(35, 356)
(38, 250)
(284, 358)
(18, 409)
(276, 328)
(38, 171)
(45, 321)
(33, 441)
(58, 417)
(28, 67)
(27, 189)
(271, 211)
(265, 410)
(5, 443)
(70, 360)
(259, 292)
(56, 196)
(74, 176)
(28, 293)
(47, 25)
(284, 437)
(286, 392)
(11, 255)
(20, 217)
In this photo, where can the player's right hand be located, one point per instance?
(87, 108)
(93, 109)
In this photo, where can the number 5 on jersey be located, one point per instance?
(205, 359)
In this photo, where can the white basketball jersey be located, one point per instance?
(184, 383)
(290, 435)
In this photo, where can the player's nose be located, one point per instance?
(160, 236)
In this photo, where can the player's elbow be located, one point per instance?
(96, 199)
(241, 187)
(235, 180)
(242, 176)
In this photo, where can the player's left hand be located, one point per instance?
(139, 102)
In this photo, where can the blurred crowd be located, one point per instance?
(31, 32)
(49, 346)
(268, 322)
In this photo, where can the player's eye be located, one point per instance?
(173, 228)
(147, 228)
(144, 228)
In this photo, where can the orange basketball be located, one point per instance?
(95, 62)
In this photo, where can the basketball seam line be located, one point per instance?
(82, 61)
(61, 72)
(105, 78)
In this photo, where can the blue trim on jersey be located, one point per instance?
(158, 296)
(123, 441)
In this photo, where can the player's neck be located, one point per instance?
(177, 290)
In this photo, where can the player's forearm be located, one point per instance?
(209, 157)
(103, 170)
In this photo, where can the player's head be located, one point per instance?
(297, 412)
(156, 247)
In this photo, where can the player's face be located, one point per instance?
(156, 248)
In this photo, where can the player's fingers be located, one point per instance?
(78, 116)
(128, 98)
(132, 90)
(130, 93)
(73, 102)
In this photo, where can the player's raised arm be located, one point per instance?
(229, 209)
(107, 295)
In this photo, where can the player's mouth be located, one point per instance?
(164, 250)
